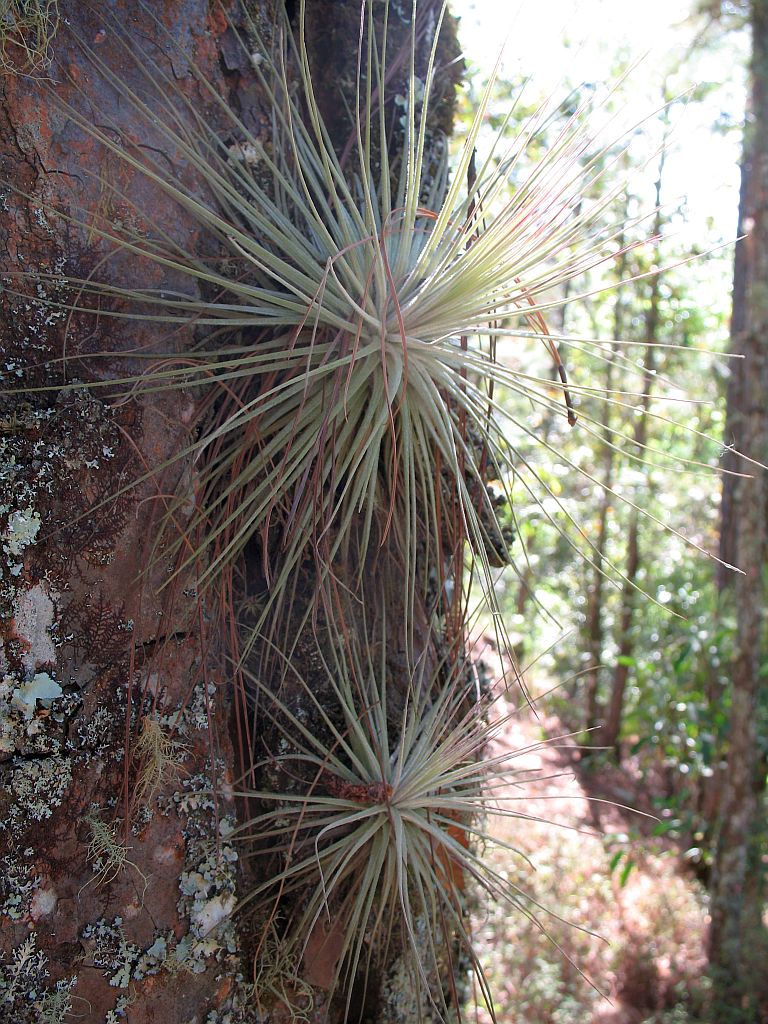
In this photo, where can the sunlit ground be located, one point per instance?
(623, 919)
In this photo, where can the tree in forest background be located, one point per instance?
(738, 939)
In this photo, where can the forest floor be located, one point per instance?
(611, 928)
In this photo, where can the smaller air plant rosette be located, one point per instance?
(370, 834)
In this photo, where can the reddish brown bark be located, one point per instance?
(737, 938)
(78, 604)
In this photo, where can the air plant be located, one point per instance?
(362, 302)
(27, 30)
(107, 851)
(159, 757)
(387, 783)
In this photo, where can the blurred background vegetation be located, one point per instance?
(664, 649)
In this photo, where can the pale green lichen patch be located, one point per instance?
(109, 949)
(118, 1013)
(207, 900)
(21, 530)
(35, 788)
(45, 455)
(20, 519)
(32, 789)
(208, 882)
(26, 997)
(17, 888)
(124, 961)
(100, 731)
(400, 1000)
(198, 711)
(163, 748)
(31, 714)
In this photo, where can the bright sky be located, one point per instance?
(561, 43)
(537, 30)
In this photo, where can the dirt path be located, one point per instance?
(605, 905)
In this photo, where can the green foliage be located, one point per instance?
(674, 726)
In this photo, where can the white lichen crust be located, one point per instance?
(208, 882)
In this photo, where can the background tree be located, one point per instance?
(737, 940)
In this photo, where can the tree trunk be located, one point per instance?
(113, 910)
(84, 625)
(608, 736)
(593, 627)
(737, 939)
(737, 368)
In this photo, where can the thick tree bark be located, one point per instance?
(93, 643)
(81, 615)
(593, 627)
(737, 939)
(728, 513)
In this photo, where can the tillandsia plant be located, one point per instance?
(27, 30)
(376, 818)
(352, 321)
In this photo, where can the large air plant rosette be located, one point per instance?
(355, 315)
